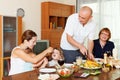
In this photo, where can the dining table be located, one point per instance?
(113, 74)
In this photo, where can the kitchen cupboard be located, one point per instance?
(53, 20)
(10, 33)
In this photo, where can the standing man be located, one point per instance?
(78, 27)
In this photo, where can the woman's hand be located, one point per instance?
(45, 62)
(41, 63)
(50, 50)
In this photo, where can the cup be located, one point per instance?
(78, 60)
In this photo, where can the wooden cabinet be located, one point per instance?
(53, 17)
(11, 31)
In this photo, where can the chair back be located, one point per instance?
(118, 79)
(7, 78)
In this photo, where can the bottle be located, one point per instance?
(106, 66)
(105, 58)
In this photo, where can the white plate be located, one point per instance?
(98, 59)
(117, 66)
(47, 70)
(68, 65)
(48, 76)
(92, 68)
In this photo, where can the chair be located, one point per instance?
(7, 78)
(118, 79)
(6, 63)
(30, 75)
(115, 53)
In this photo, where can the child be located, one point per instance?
(56, 55)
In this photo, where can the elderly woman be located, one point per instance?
(103, 45)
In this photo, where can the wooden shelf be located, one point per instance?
(54, 16)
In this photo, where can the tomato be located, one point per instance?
(62, 72)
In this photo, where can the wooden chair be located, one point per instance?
(6, 62)
(7, 78)
(118, 79)
(8, 65)
(30, 75)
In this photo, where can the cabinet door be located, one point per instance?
(9, 35)
(54, 12)
(55, 37)
(67, 10)
(54, 9)
(1, 50)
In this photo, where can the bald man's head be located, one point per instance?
(86, 8)
(85, 14)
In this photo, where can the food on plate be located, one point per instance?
(96, 72)
(92, 72)
(65, 72)
(90, 64)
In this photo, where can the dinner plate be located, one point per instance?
(82, 66)
(68, 65)
(47, 70)
(92, 68)
(98, 59)
(48, 76)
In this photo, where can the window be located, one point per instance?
(106, 13)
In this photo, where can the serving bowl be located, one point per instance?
(65, 72)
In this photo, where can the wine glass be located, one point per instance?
(61, 62)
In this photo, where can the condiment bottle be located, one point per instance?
(106, 67)
(105, 58)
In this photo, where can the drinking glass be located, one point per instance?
(78, 60)
(61, 62)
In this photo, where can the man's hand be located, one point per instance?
(90, 56)
(83, 50)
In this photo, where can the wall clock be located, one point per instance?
(20, 12)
